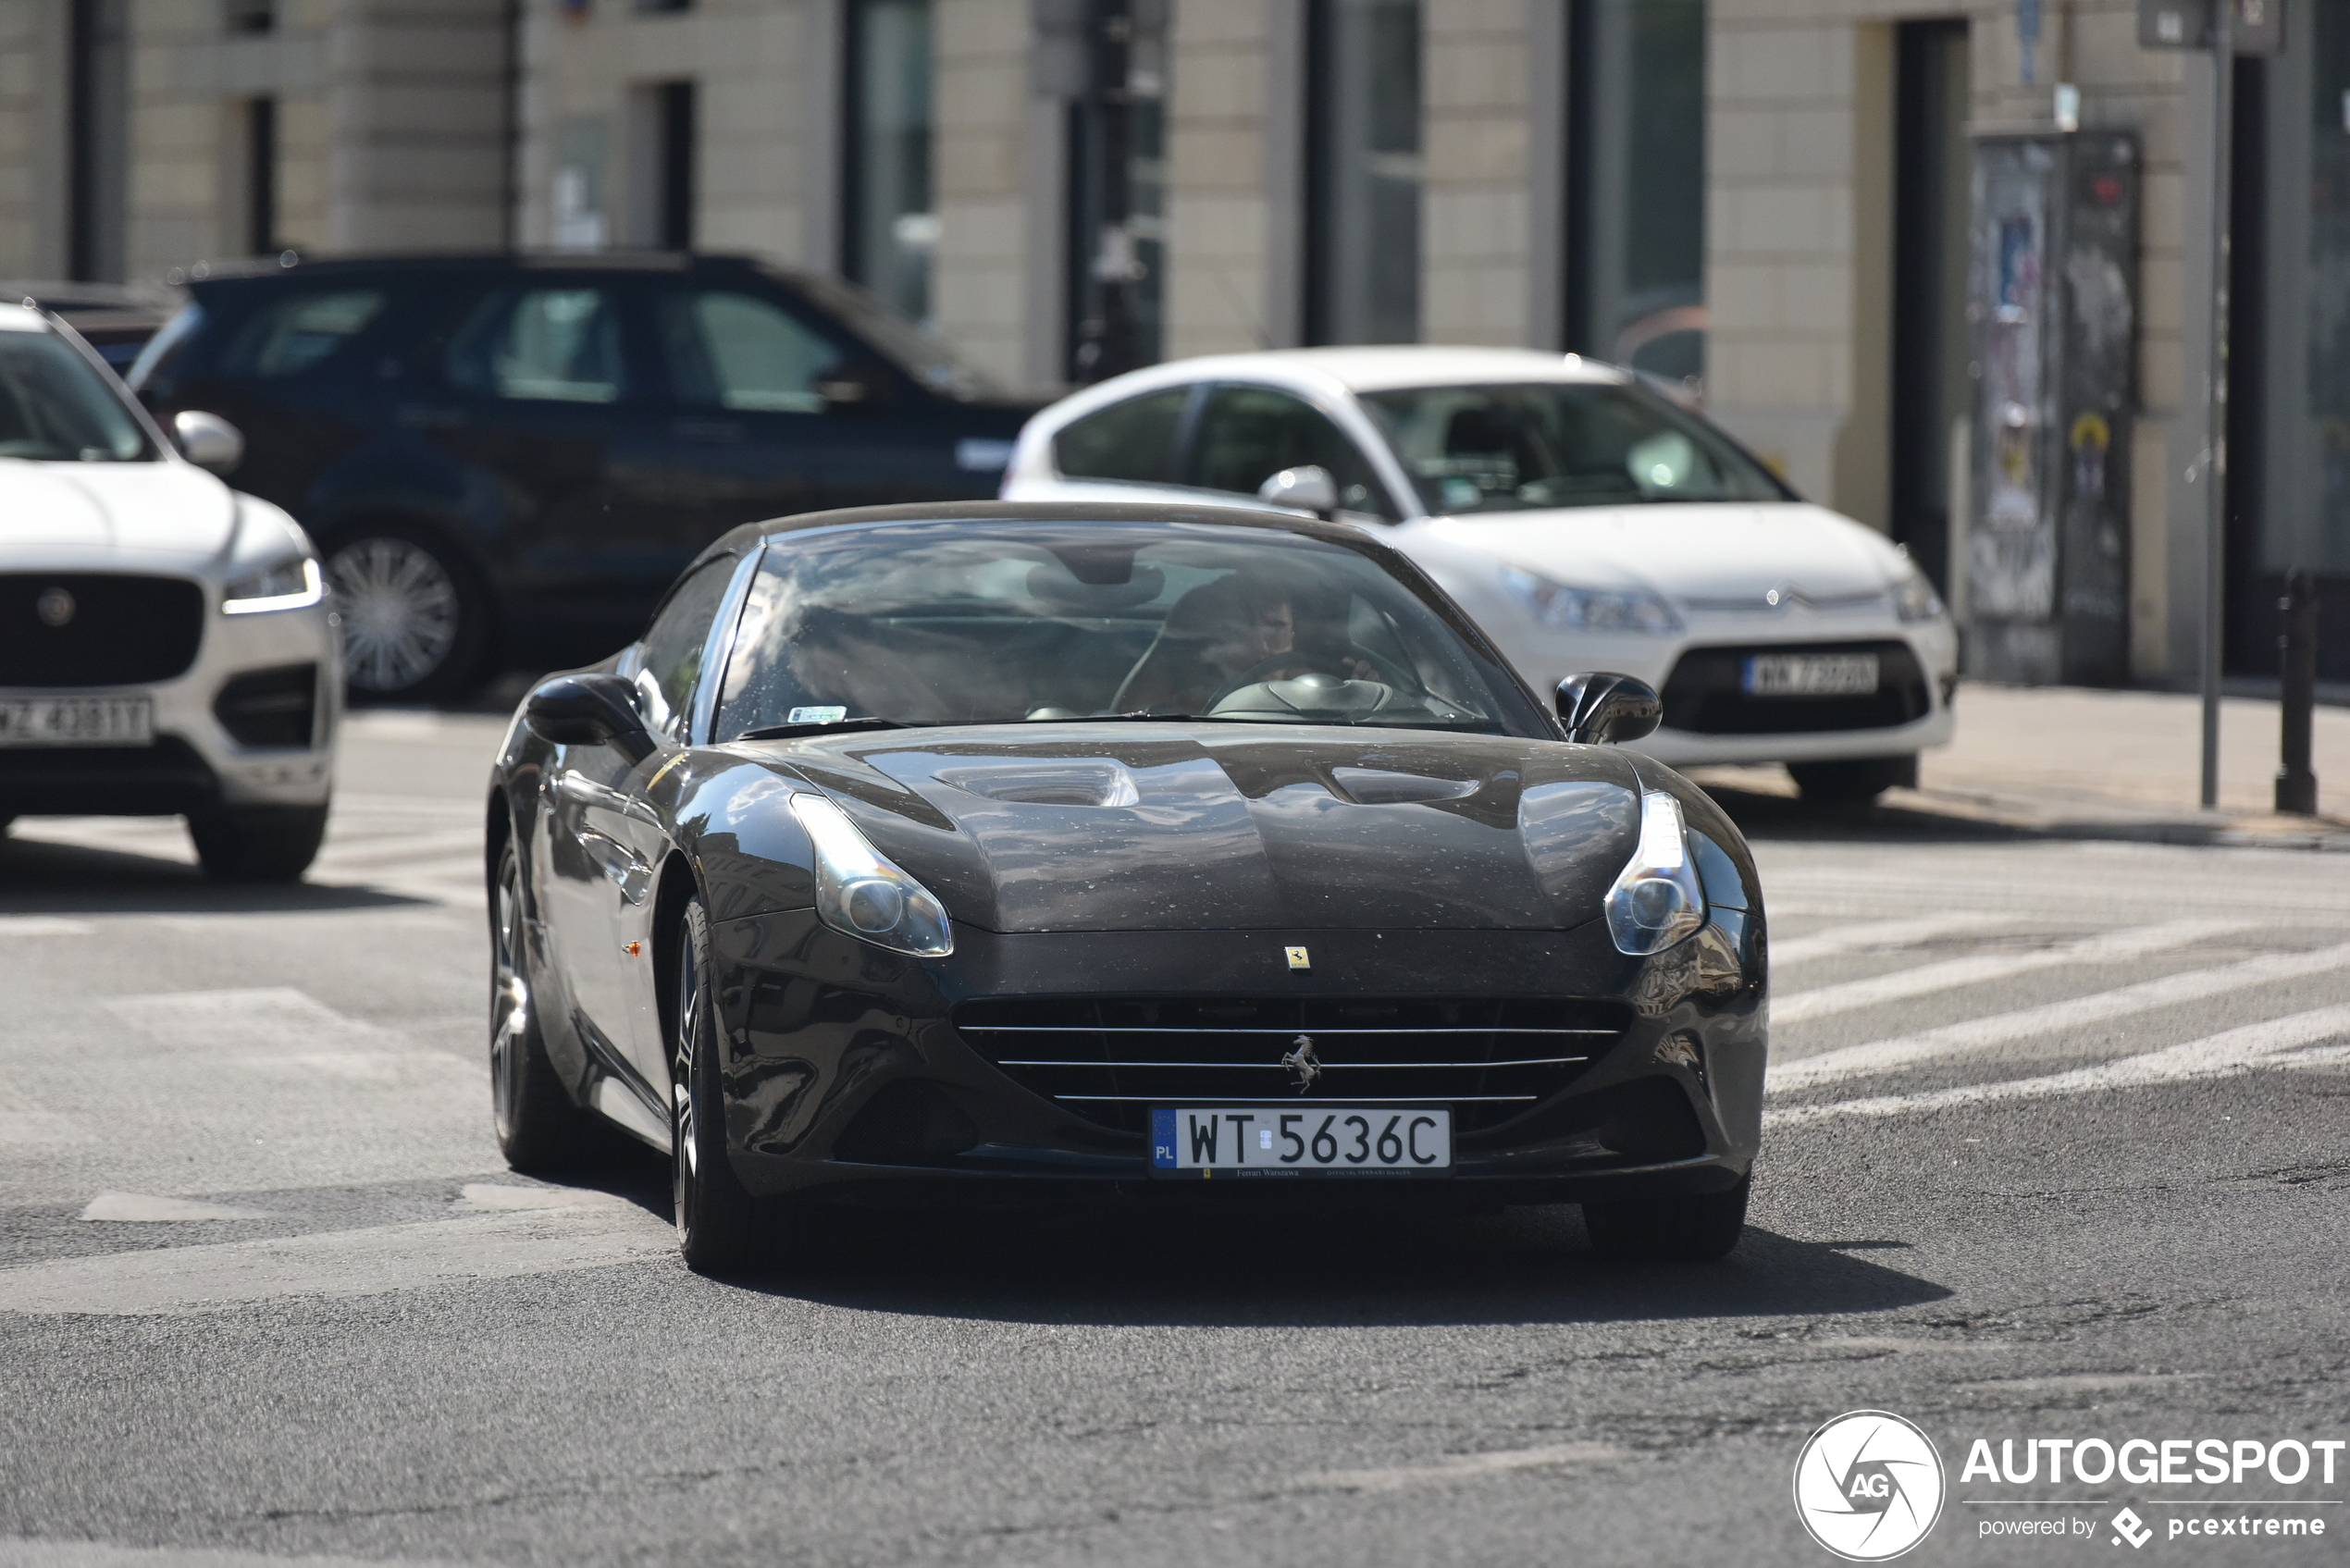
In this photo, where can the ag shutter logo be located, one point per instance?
(2128, 1526)
(1868, 1486)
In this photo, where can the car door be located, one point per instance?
(613, 831)
(1244, 435)
(539, 381)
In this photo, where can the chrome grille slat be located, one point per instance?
(1284, 1029)
(1326, 1067)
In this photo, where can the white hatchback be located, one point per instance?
(1586, 521)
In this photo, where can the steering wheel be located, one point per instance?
(1266, 666)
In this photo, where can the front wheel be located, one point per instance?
(714, 1213)
(257, 842)
(538, 1129)
(415, 622)
(1685, 1227)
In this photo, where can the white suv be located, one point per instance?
(165, 645)
(1585, 521)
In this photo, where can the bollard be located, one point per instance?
(2297, 663)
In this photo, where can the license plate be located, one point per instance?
(76, 721)
(1324, 1139)
(1810, 674)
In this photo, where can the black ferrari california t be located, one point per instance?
(1115, 844)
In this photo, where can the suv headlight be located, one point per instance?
(291, 584)
(1590, 610)
(1915, 599)
(860, 892)
(1656, 900)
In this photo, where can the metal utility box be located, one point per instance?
(2052, 314)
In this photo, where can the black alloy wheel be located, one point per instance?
(416, 622)
(538, 1129)
(714, 1213)
(257, 843)
(1854, 781)
(1690, 1228)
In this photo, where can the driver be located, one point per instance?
(1234, 632)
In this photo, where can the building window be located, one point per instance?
(261, 177)
(580, 216)
(889, 227)
(664, 160)
(1635, 188)
(1118, 177)
(1363, 173)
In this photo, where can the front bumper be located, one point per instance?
(248, 672)
(844, 1067)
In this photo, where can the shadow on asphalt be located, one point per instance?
(1764, 816)
(39, 877)
(1133, 1265)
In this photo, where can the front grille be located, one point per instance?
(96, 629)
(1110, 1059)
(270, 707)
(1705, 694)
(164, 779)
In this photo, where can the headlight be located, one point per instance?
(1915, 599)
(291, 584)
(1656, 900)
(858, 891)
(1590, 610)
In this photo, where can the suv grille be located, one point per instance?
(1109, 1059)
(96, 629)
(1706, 693)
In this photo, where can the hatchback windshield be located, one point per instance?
(979, 624)
(1544, 444)
(55, 407)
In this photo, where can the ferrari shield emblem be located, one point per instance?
(1297, 959)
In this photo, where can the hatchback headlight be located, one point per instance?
(291, 584)
(1915, 599)
(1590, 610)
(860, 892)
(1656, 900)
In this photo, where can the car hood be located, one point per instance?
(61, 514)
(1688, 551)
(1157, 827)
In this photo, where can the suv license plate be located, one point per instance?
(1322, 1140)
(76, 721)
(1810, 675)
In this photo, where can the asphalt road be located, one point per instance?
(2058, 1151)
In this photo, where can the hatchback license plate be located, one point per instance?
(76, 721)
(1810, 674)
(1324, 1139)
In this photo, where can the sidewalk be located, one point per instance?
(2067, 763)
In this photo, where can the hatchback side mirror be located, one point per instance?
(1306, 488)
(207, 441)
(1603, 708)
(589, 711)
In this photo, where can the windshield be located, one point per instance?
(1545, 444)
(56, 407)
(962, 623)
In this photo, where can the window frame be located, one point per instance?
(1351, 431)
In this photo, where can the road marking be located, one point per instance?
(2215, 1055)
(43, 925)
(26, 1125)
(1866, 936)
(1463, 1467)
(484, 1197)
(176, 1281)
(139, 1208)
(1952, 973)
(2173, 990)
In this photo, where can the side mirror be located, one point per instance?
(1307, 489)
(1601, 709)
(589, 711)
(207, 441)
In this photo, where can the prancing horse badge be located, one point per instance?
(1297, 959)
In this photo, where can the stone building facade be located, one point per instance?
(1766, 198)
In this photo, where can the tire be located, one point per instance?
(714, 1213)
(256, 843)
(1691, 1227)
(539, 1131)
(1855, 781)
(415, 621)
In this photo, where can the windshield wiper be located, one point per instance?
(794, 731)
